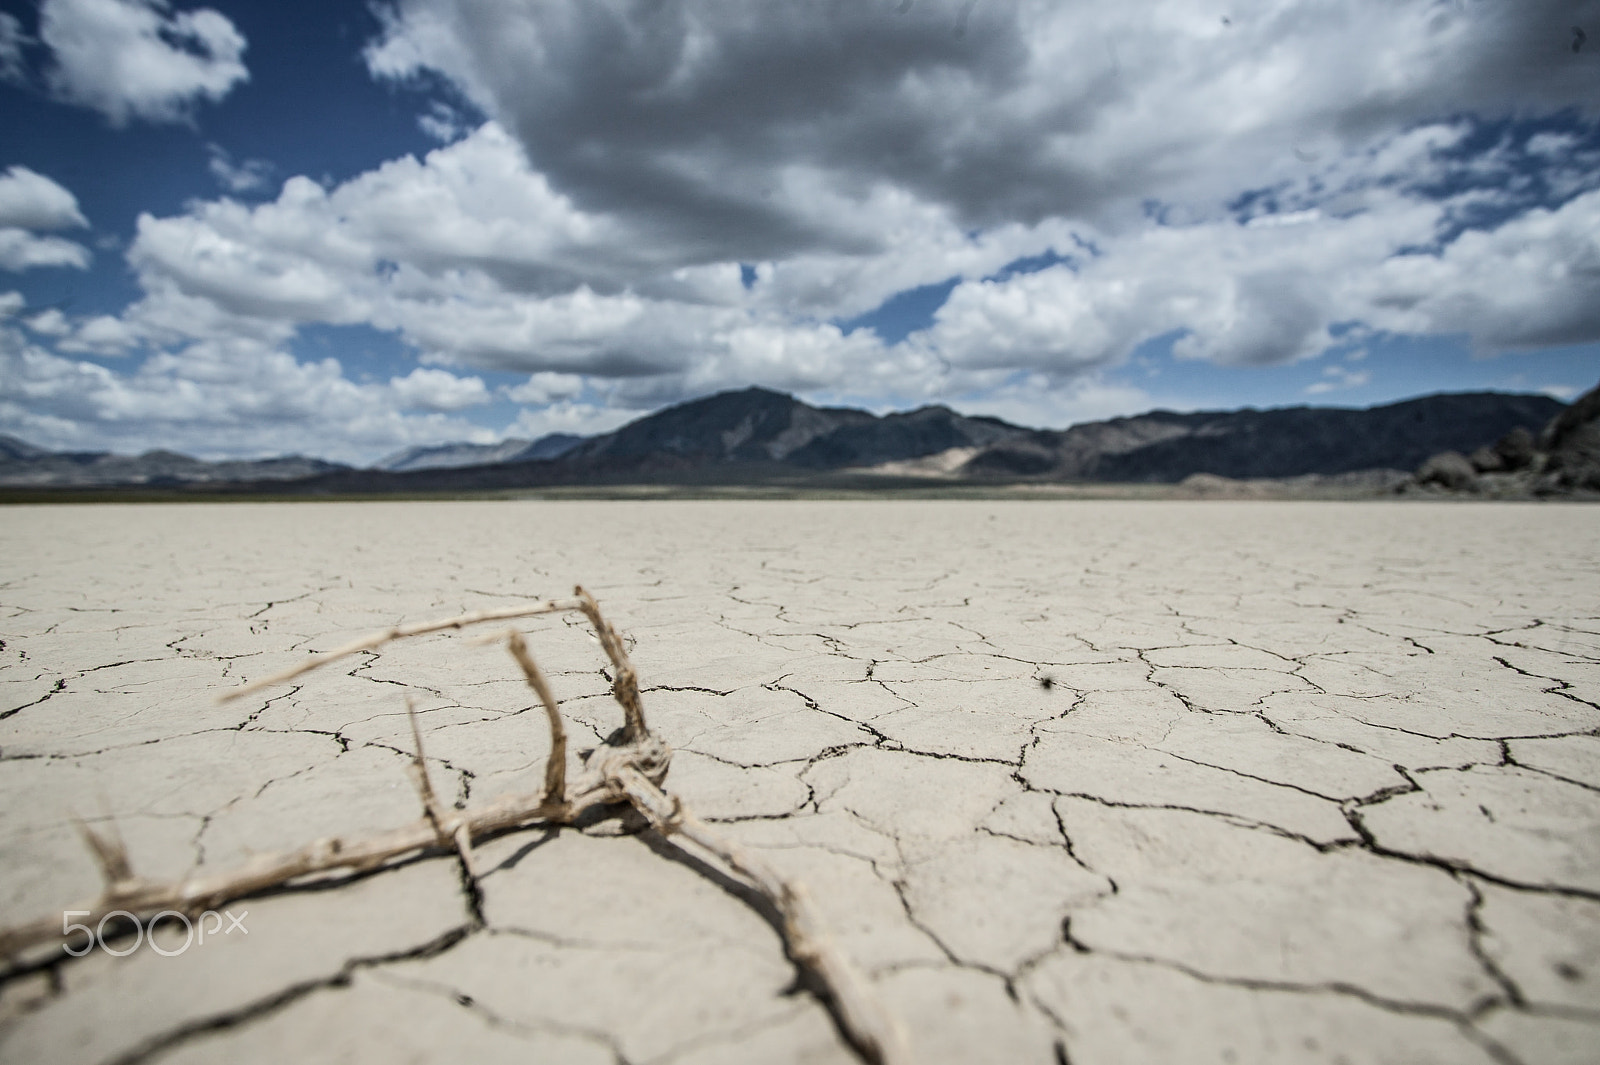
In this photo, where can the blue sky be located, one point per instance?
(250, 228)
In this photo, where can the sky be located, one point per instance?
(342, 228)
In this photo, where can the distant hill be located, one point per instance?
(759, 436)
(23, 465)
(454, 456)
(1162, 446)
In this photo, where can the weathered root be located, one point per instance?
(629, 770)
(875, 1031)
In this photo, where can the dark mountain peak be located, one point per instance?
(1159, 416)
(930, 410)
(743, 399)
(754, 390)
(724, 427)
(723, 407)
(760, 426)
(754, 396)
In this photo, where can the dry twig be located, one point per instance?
(629, 770)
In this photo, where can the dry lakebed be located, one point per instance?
(1086, 781)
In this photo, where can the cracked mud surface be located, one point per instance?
(1074, 782)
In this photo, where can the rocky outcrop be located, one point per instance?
(1571, 443)
(1448, 469)
(1563, 460)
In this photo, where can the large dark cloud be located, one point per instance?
(696, 115)
(689, 114)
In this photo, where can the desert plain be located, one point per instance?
(1086, 781)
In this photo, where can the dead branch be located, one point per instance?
(877, 1032)
(629, 770)
(624, 688)
(555, 767)
(430, 799)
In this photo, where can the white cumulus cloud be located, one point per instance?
(429, 389)
(139, 59)
(30, 202)
(21, 250)
(102, 335)
(212, 399)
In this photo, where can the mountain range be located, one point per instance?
(760, 436)
(23, 465)
(1163, 446)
